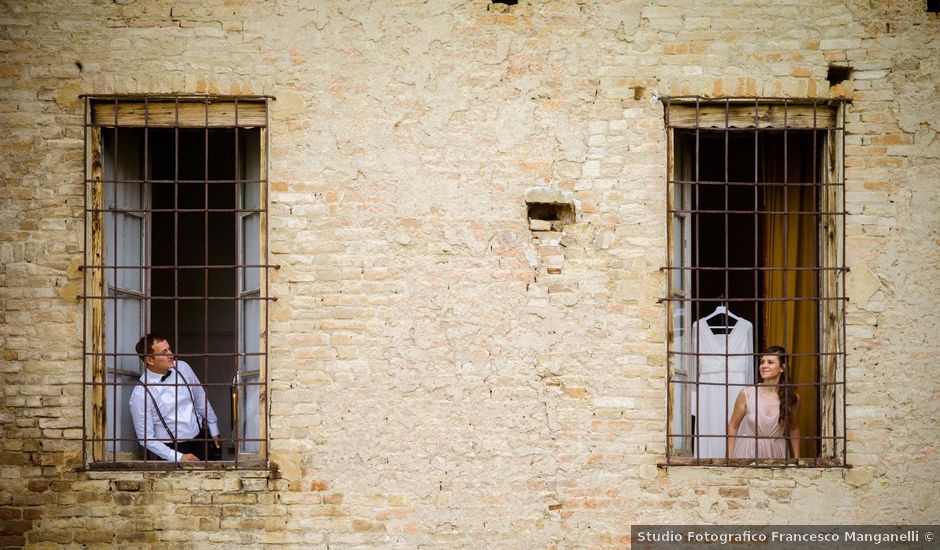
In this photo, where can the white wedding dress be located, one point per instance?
(715, 403)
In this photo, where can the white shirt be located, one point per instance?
(182, 408)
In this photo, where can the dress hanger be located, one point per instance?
(721, 310)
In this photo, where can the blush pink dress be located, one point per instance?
(755, 422)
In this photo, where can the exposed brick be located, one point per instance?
(361, 525)
(127, 485)
(11, 541)
(212, 511)
(234, 498)
(86, 537)
(335, 498)
(15, 527)
(51, 535)
(38, 486)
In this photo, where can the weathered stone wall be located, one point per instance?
(429, 385)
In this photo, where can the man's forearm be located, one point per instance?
(163, 450)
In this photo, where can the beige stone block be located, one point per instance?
(858, 477)
(289, 105)
(70, 292)
(234, 498)
(67, 96)
(540, 225)
(862, 283)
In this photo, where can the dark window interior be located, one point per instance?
(194, 240)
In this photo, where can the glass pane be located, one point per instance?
(109, 257)
(678, 253)
(249, 405)
(681, 416)
(123, 163)
(119, 430)
(129, 195)
(109, 333)
(130, 328)
(109, 195)
(251, 155)
(123, 190)
(683, 395)
(679, 335)
(123, 337)
(251, 252)
(252, 194)
(130, 251)
(249, 408)
(251, 336)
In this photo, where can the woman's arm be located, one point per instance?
(740, 409)
(795, 429)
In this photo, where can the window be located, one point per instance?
(176, 217)
(756, 258)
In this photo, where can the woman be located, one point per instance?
(770, 411)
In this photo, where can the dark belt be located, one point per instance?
(196, 446)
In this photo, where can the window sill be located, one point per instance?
(750, 463)
(164, 466)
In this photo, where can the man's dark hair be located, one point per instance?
(145, 345)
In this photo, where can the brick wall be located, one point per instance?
(431, 382)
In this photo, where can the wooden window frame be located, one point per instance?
(750, 114)
(144, 113)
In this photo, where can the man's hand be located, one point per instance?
(218, 441)
(189, 457)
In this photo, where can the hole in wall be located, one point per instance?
(549, 208)
(79, 65)
(933, 6)
(501, 6)
(556, 214)
(838, 74)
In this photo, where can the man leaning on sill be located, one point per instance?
(169, 407)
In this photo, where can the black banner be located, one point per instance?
(781, 537)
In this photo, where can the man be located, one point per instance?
(169, 406)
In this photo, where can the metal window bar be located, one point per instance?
(237, 171)
(805, 119)
(695, 441)
(114, 303)
(96, 297)
(727, 282)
